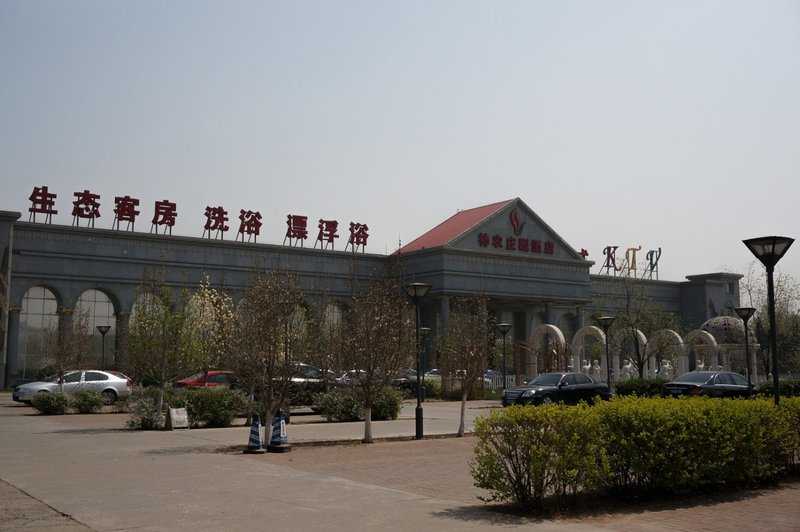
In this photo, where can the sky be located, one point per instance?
(672, 125)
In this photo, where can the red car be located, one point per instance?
(212, 378)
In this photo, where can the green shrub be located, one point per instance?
(347, 404)
(526, 453)
(142, 405)
(634, 446)
(788, 388)
(669, 446)
(387, 404)
(211, 406)
(640, 387)
(45, 372)
(86, 402)
(433, 388)
(50, 404)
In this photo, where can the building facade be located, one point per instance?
(529, 274)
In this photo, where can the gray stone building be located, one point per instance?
(503, 250)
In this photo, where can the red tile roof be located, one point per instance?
(453, 227)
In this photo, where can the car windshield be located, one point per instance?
(547, 379)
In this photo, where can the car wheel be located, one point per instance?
(108, 397)
(547, 400)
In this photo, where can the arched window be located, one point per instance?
(100, 311)
(39, 311)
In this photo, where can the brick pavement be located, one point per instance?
(435, 469)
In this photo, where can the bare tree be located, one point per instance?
(640, 314)
(380, 338)
(272, 338)
(787, 317)
(67, 344)
(467, 344)
(157, 353)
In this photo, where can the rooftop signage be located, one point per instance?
(87, 207)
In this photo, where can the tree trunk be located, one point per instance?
(463, 409)
(367, 424)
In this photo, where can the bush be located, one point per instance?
(788, 388)
(387, 404)
(211, 406)
(525, 453)
(86, 402)
(142, 405)
(347, 404)
(50, 404)
(640, 387)
(634, 446)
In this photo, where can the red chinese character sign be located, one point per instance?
(359, 233)
(296, 229)
(216, 221)
(164, 216)
(249, 224)
(328, 232)
(42, 202)
(125, 211)
(85, 207)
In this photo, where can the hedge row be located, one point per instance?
(205, 407)
(633, 446)
(57, 403)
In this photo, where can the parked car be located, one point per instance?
(569, 388)
(353, 377)
(210, 379)
(111, 385)
(709, 384)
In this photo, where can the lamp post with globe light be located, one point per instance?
(769, 250)
(417, 291)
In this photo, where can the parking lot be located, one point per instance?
(86, 472)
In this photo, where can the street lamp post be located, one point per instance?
(769, 250)
(424, 333)
(103, 330)
(605, 322)
(417, 291)
(746, 313)
(504, 328)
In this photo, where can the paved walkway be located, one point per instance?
(88, 473)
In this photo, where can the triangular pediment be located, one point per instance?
(508, 226)
(517, 229)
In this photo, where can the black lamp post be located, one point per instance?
(424, 333)
(605, 322)
(769, 250)
(103, 330)
(417, 291)
(746, 313)
(504, 328)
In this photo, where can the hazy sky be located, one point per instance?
(661, 124)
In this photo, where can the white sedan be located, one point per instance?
(111, 385)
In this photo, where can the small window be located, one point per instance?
(730, 288)
(219, 378)
(95, 376)
(73, 377)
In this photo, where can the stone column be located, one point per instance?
(12, 342)
(121, 358)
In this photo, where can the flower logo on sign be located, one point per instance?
(516, 223)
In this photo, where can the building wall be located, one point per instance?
(528, 290)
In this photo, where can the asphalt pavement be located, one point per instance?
(87, 472)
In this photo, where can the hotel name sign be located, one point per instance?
(86, 207)
(514, 239)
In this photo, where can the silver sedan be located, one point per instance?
(111, 385)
